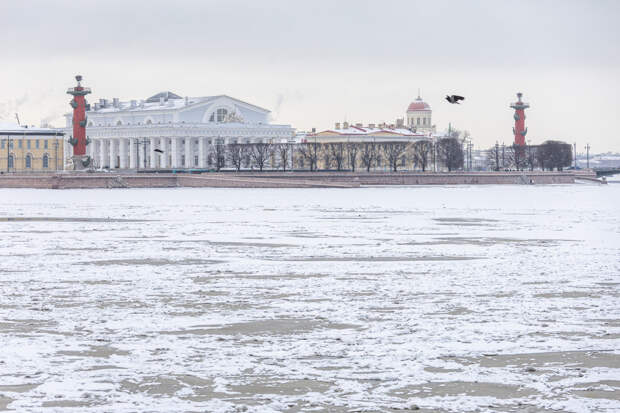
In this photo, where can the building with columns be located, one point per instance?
(167, 131)
(419, 115)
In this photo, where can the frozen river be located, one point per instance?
(485, 298)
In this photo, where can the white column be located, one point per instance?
(132, 153)
(202, 153)
(101, 152)
(113, 153)
(153, 154)
(188, 153)
(174, 149)
(122, 151)
(163, 145)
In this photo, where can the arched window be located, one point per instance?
(28, 161)
(149, 122)
(119, 123)
(46, 161)
(219, 115)
(11, 161)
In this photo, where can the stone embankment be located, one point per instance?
(70, 180)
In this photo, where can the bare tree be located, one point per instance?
(283, 150)
(260, 153)
(352, 149)
(450, 151)
(219, 154)
(338, 154)
(530, 156)
(421, 153)
(554, 154)
(236, 153)
(515, 156)
(310, 152)
(327, 157)
(393, 152)
(368, 154)
(493, 157)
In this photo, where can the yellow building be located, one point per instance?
(24, 149)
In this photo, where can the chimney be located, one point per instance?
(186, 100)
(345, 125)
(141, 103)
(359, 125)
(371, 125)
(115, 102)
(313, 130)
(337, 125)
(400, 122)
(161, 101)
(96, 106)
(134, 103)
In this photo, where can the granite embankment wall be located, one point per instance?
(281, 179)
(428, 178)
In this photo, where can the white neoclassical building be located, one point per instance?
(167, 131)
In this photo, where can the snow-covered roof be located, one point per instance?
(11, 128)
(356, 130)
(171, 102)
(166, 95)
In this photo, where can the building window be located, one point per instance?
(11, 161)
(28, 144)
(418, 121)
(20, 144)
(1, 144)
(219, 115)
(45, 144)
(46, 161)
(119, 123)
(196, 160)
(149, 122)
(36, 144)
(28, 161)
(182, 159)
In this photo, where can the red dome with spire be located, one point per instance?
(418, 104)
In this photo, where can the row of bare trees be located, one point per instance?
(547, 156)
(338, 156)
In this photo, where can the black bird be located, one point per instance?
(158, 150)
(454, 99)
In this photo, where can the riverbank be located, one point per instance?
(70, 180)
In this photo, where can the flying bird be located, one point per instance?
(454, 99)
(158, 150)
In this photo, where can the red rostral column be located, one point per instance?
(78, 140)
(519, 130)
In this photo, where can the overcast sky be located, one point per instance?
(317, 62)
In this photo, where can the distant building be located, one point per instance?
(371, 133)
(167, 131)
(24, 149)
(419, 116)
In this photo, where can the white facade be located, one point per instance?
(167, 131)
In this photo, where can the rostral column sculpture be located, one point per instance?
(519, 129)
(79, 140)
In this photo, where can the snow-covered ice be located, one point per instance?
(483, 298)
